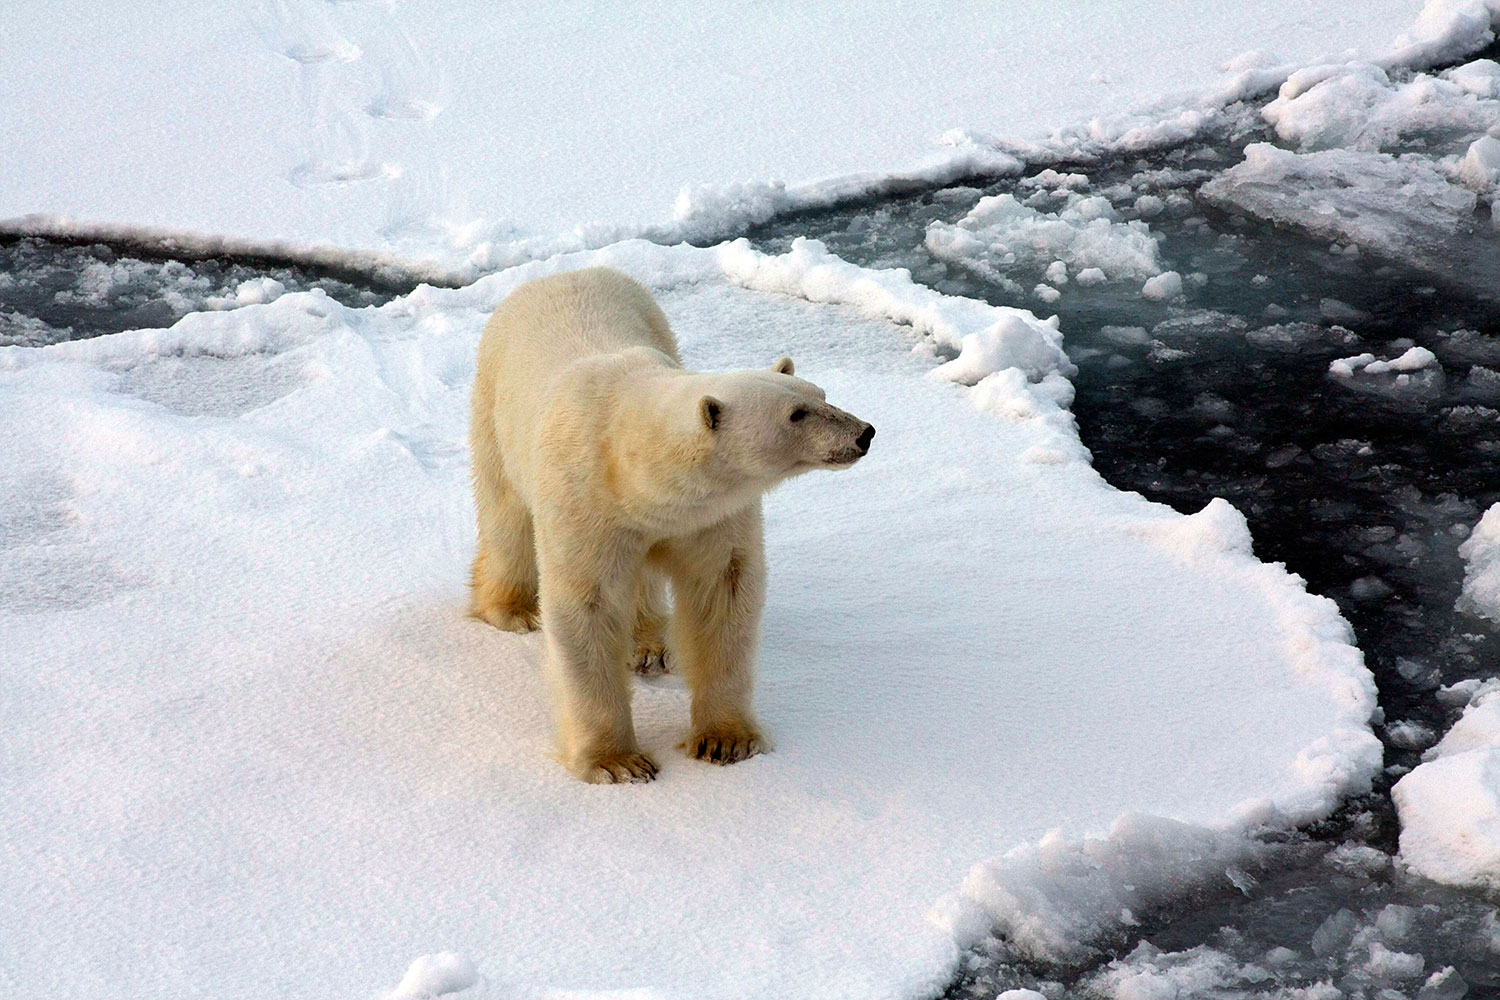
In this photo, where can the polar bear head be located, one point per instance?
(767, 426)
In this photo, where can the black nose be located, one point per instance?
(864, 439)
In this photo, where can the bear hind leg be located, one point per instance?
(504, 578)
(651, 620)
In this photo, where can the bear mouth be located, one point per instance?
(844, 457)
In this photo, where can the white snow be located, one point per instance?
(1480, 166)
(1481, 554)
(1449, 805)
(1480, 77)
(469, 134)
(434, 976)
(254, 747)
(1358, 106)
(1411, 360)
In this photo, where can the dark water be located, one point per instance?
(1364, 486)
(57, 290)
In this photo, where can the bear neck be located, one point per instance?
(660, 463)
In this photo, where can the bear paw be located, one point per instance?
(651, 662)
(507, 618)
(725, 746)
(618, 769)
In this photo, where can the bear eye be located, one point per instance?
(797, 414)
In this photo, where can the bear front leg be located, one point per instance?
(718, 579)
(588, 614)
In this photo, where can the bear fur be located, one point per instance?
(603, 469)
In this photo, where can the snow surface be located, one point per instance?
(254, 748)
(1481, 555)
(462, 132)
(1449, 805)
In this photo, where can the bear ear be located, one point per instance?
(710, 409)
(784, 366)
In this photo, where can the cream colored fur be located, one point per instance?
(602, 469)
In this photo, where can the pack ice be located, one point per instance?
(254, 747)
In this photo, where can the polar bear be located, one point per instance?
(601, 469)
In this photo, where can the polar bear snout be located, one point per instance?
(854, 444)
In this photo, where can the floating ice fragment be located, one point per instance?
(1167, 285)
(1334, 934)
(1353, 858)
(1001, 232)
(1480, 167)
(1480, 77)
(1481, 555)
(1149, 206)
(1125, 336)
(1046, 293)
(1410, 735)
(1406, 208)
(1414, 359)
(1240, 879)
(1052, 179)
(1394, 922)
(1341, 312)
(1385, 963)
(258, 290)
(1444, 984)
(1057, 272)
(1484, 382)
(1091, 276)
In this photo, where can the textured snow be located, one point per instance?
(1411, 360)
(463, 134)
(1388, 161)
(255, 748)
(1358, 106)
(1404, 206)
(1481, 554)
(1449, 805)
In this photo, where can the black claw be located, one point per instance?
(702, 749)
